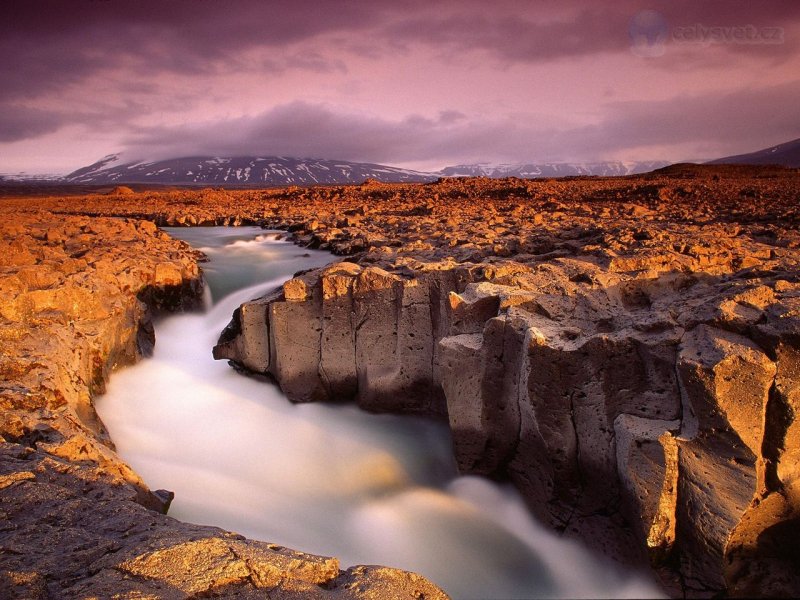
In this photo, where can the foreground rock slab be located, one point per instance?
(70, 532)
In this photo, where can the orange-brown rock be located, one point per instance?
(556, 324)
(75, 520)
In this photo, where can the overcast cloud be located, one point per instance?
(402, 82)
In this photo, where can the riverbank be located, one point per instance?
(79, 294)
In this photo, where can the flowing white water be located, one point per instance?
(332, 480)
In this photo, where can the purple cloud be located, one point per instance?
(310, 130)
(123, 67)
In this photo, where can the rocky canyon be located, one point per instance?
(625, 351)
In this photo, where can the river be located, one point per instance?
(331, 480)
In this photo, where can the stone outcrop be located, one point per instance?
(78, 294)
(636, 424)
(641, 395)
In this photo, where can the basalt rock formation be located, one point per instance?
(78, 294)
(635, 375)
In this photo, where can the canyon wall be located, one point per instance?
(644, 404)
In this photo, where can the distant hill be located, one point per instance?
(717, 171)
(786, 155)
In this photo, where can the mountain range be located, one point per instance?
(281, 170)
(117, 169)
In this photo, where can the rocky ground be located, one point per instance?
(625, 350)
(78, 294)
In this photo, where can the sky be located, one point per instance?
(415, 83)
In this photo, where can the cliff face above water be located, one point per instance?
(630, 363)
(78, 294)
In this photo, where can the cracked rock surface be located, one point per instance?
(75, 521)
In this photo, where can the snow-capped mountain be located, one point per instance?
(786, 154)
(239, 170)
(533, 170)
